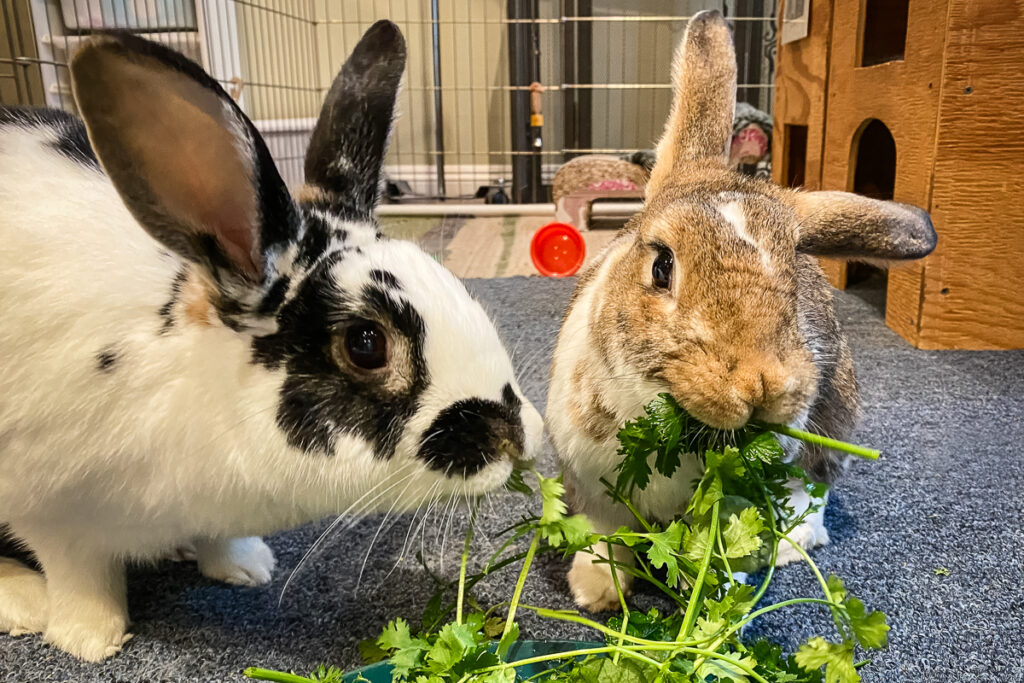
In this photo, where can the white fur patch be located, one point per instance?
(732, 212)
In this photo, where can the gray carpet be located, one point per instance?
(947, 493)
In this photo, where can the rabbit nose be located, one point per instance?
(471, 433)
(775, 395)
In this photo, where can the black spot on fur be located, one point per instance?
(275, 296)
(72, 139)
(167, 309)
(320, 400)
(384, 278)
(13, 548)
(469, 434)
(314, 241)
(106, 359)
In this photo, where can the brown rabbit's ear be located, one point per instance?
(704, 101)
(845, 225)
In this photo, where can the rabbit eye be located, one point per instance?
(366, 345)
(661, 271)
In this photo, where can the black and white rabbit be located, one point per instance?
(193, 356)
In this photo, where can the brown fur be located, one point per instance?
(747, 329)
(196, 308)
(311, 194)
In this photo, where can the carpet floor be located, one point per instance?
(947, 494)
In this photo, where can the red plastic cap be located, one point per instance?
(557, 250)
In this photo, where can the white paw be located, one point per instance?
(23, 603)
(186, 552)
(810, 534)
(592, 584)
(238, 561)
(89, 637)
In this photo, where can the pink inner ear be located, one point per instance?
(205, 180)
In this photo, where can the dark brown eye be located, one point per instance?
(661, 271)
(366, 345)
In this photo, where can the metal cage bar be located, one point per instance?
(604, 69)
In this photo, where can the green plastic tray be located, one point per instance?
(381, 672)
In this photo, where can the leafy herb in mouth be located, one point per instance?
(735, 521)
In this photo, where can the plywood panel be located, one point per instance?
(801, 82)
(973, 289)
(904, 95)
(801, 89)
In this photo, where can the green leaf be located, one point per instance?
(836, 658)
(664, 550)
(707, 629)
(451, 645)
(735, 604)
(695, 543)
(553, 507)
(516, 483)
(870, 629)
(507, 640)
(405, 652)
(741, 535)
(606, 670)
(764, 447)
(836, 587)
(494, 626)
(371, 652)
(395, 636)
(726, 669)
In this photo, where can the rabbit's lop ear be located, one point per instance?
(704, 100)
(188, 164)
(845, 225)
(347, 148)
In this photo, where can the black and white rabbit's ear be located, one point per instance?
(703, 101)
(347, 148)
(850, 226)
(186, 161)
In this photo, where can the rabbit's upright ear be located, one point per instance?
(704, 100)
(347, 148)
(845, 225)
(188, 164)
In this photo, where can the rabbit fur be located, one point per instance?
(193, 356)
(712, 294)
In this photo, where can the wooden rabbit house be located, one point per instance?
(921, 101)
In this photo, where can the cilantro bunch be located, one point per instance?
(735, 520)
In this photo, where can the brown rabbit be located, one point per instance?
(712, 293)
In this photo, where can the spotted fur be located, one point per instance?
(175, 368)
(746, 327)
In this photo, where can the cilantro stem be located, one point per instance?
(462, 568)
(601, 628)
(520, 582)
(618, 591)
(276, 676)
(637, 574)
(721, 552)
(629, 651)
(691, 609)
(819, 440)
(821, 580)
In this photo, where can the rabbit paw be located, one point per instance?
(23, 603)
(238, 561)
(89, 636)
(810, 534)
(592, 584)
